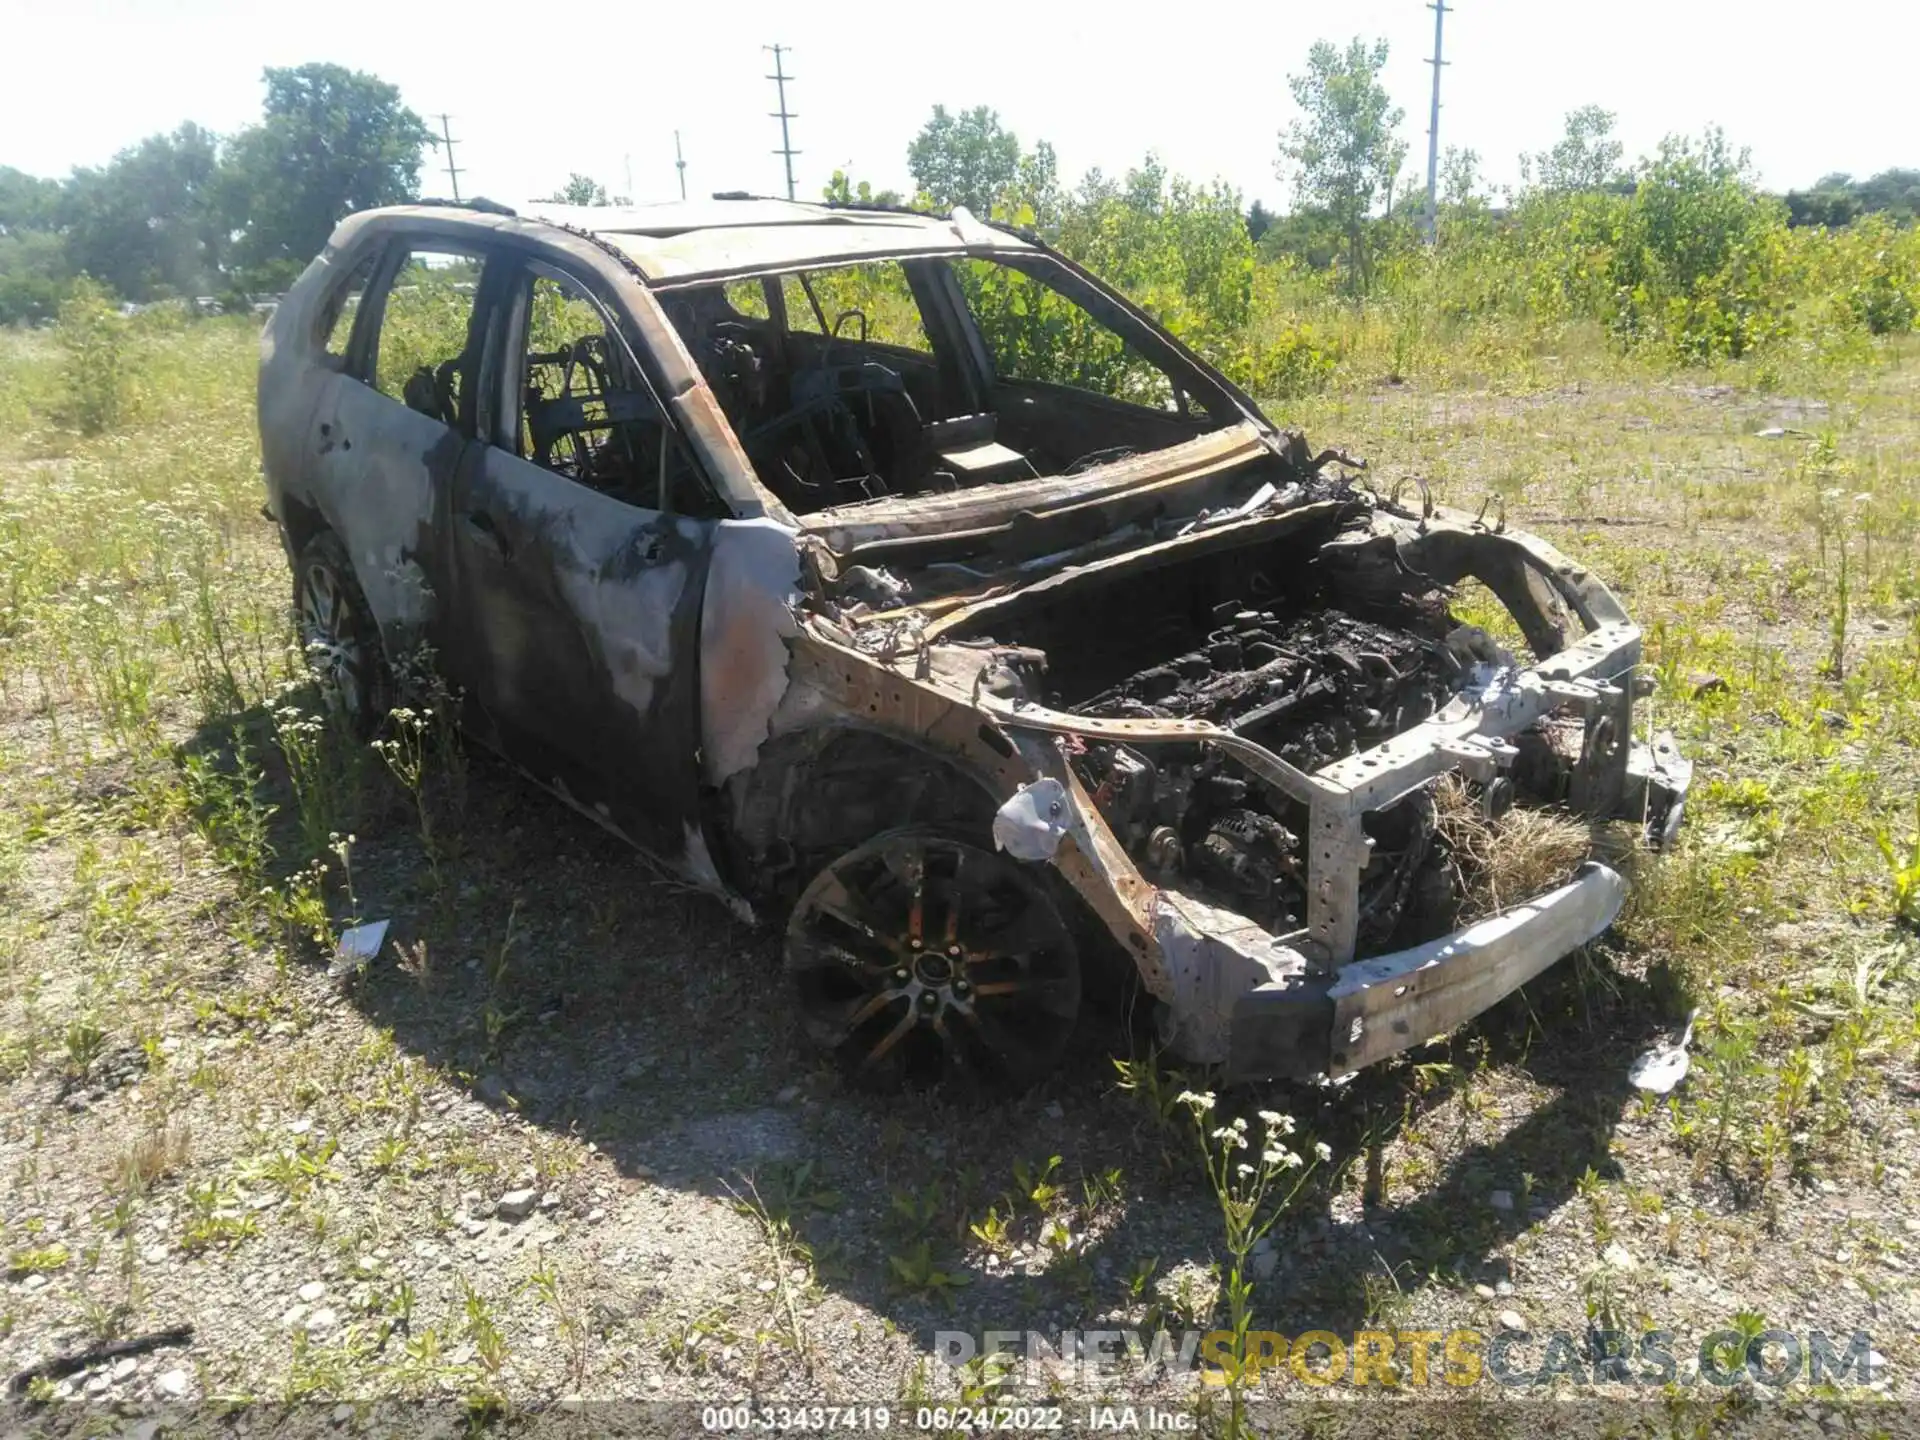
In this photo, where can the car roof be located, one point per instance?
(691, 238)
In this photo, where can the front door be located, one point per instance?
(579, 572)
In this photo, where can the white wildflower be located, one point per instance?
(1193, 1101)
(1322, 1151)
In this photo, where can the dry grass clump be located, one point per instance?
(1510, 858)
(159, 1151)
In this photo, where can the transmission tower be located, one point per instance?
(783, 115)
(1439, 8)
(453, 171)
(680, 160)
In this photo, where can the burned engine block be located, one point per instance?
(1314, 687)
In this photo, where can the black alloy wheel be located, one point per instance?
(917, 955)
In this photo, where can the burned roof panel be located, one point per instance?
(707, 237)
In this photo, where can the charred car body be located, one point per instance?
(887, 573)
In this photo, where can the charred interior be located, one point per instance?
(928, 376)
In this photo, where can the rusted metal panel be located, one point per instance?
(747, 623)
(1393, 1002)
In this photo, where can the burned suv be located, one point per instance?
(890, 577)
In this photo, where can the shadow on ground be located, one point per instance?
(541, 962)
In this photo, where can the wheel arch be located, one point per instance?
(813, 792)
(300, 521)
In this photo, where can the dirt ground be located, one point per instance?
(562, 1140)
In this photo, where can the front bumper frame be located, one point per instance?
(1376, 1008)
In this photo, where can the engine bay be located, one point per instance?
(1312, 686)
(1283, 645)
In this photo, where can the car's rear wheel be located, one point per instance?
(917, 955)
(338, 633)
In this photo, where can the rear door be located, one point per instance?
(391, 425)
(581, 535)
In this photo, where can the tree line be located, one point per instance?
(1680, 248)
(191, 213)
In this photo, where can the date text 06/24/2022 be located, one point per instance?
(943, 1418)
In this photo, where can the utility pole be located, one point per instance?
(1439, 8)
(626, 162)
(780, 78)
(453, 171)
(680, 161)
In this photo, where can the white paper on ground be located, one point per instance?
(1665, 1066)
(358, 946)
(1660, 1070)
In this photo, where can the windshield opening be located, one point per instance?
(931, 375)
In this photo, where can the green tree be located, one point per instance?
(1460, 179)
(1259, 221)
(965, 159)
(1696, 209)
(1839, 199)
(1894, 193)
(147, 224)
(33, 257)
(579, 190)
(1343, 152)
(98, 368)
(1035, 197)
(33, 275)
(26, 201)
(842, 190)
(332, 141)
(1178, 248)
(1586, 157)
(1833, 202)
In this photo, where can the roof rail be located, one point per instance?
(877, 207)
(478, 202)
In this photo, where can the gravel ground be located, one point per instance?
(562, 1141)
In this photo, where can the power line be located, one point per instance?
(1439, 8)
(453, 171)
(680, 161)
(783, 115)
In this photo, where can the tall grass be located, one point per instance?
(133, 581)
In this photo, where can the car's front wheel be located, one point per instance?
(917, 954)
(339, 635)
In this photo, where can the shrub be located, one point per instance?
(1299, 359)
(97, 362)
(1884, 292)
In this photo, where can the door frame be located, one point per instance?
(495, 605)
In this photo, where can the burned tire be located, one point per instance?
(917, 956)
(338, 633)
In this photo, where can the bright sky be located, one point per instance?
(536, 91)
